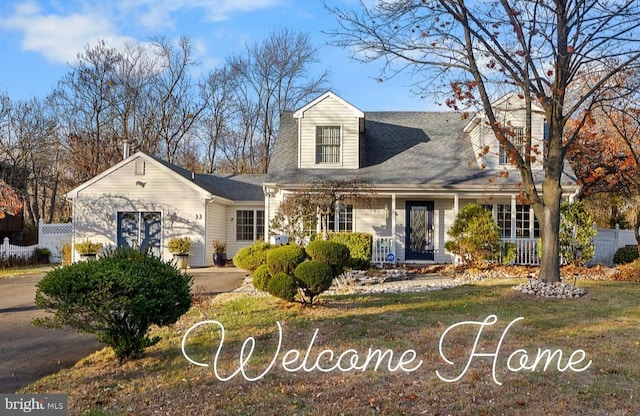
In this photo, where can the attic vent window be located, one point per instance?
(328, 141)
(139, 167)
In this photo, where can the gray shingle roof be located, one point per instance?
(233, 187)
(426, 149)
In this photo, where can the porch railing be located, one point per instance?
(526, 251)
(383, 250)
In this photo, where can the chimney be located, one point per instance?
(127, 149)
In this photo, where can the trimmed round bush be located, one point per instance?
(332, 253)
(261, 278)
(626, 255)
(252, 257)
(314, 278)
(283, 286)
(117, 297)
(285, 259)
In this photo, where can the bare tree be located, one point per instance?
(173, 98)
(273, 76)
(543, 50)
(30, 152)
(218, 90)
(85, 102)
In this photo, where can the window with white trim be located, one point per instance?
(249, 224)
(328, 144)
(341, 219)
(503, 219)
(516, 137)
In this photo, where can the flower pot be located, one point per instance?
(220, 259)
(88, 256)
(181, 261)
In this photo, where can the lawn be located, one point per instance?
(13, 271)
(605, 324)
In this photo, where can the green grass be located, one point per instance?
(605, 323)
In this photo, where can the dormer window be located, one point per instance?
(328, 145)
(518, 141)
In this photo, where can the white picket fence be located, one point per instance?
(50, 236)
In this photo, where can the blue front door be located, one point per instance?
(140, 229)
(419, 239)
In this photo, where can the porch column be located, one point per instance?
(393, 225)
(513, 217)
(456, 202)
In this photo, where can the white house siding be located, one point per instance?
(374, 219)
(329, 112)
(482, 135)
(182, 207)
(233, 245)
(217, 218)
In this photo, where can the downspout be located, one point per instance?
(205, 253)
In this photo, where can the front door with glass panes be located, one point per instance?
(419, 240)
(140, 229)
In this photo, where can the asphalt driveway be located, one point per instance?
(28, 352)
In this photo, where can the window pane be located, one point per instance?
(259, 225)
(244, 225)
(523, 221)
(344, 216)
(328, 144)
(504, 219)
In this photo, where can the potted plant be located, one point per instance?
(88, 250)
(180, 248)
(220, 253)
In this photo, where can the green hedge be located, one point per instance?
(359, 245)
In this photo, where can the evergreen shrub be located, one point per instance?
(253, 256)
(359, 245)
(261, 278)
(117, 297)
(283, 286)
(332, 253)
(314, 278)
(626, 255)
(285, 259)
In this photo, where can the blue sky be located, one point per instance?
(40, 38)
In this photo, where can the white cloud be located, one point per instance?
(156, 14)
(60, 37)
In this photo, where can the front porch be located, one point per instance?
(383, 251)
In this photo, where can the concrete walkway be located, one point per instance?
(28, 352)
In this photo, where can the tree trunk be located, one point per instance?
(551, 195)
(636, 231)
(550, 261)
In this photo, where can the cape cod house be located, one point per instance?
(423, 167)
(144, 201)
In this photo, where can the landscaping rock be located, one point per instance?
(560, 290)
